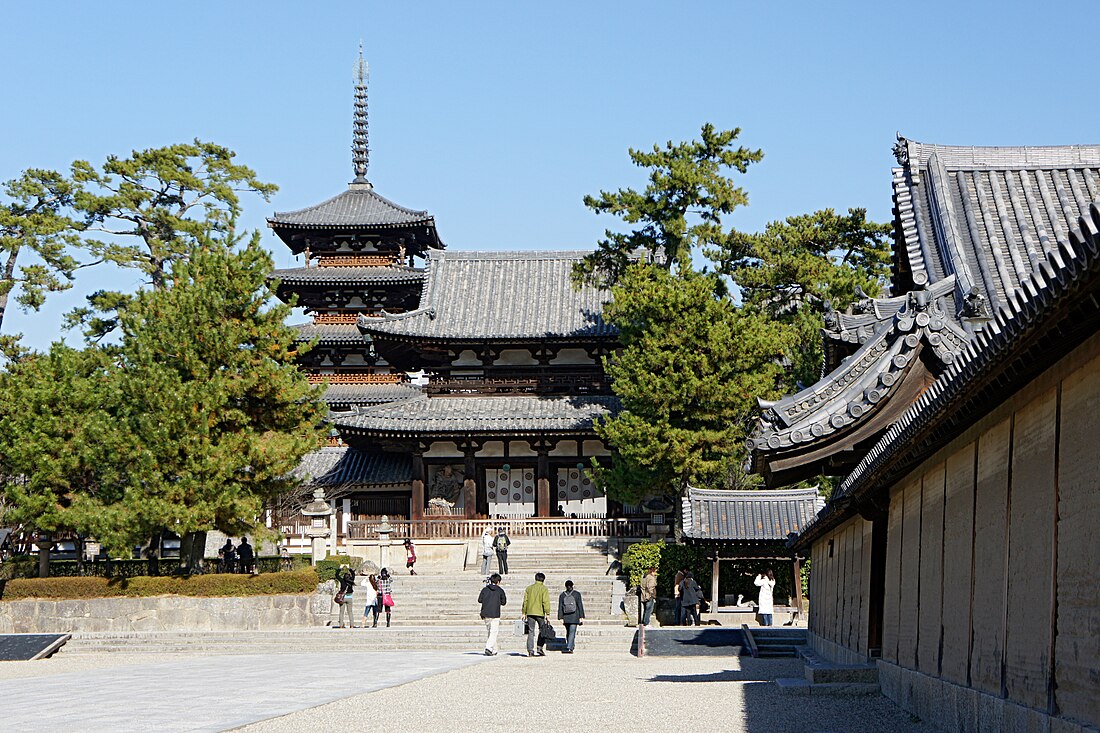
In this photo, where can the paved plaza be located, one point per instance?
(434, 692)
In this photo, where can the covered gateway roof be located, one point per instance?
(461, 415)
(334, 467)
(474, 296)
(973, 227)
(330, 333)
(1028, 338)
(748, 516)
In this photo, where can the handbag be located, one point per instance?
(387, 600)
(519, 627)
(339, 598)
(546, 632)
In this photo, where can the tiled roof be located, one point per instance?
(522, 415)
(748, 516)
(369, 394)
(1027, 337)
(989, 215)
(347, 275)
(357, 207)
(341, 467)
(330, 333)
(500, 295)
(974, 226)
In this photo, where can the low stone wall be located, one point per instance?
(952, 707)
(434, 555)
(164, 613)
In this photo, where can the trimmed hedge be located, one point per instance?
(202, 586)
(327, 568)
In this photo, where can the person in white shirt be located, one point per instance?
(486, 551)
(765, 607)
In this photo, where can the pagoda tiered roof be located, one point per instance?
(973, 227)
(343, 467)
(325, 276)
(491, 415)
(343, 395)
(330, 333)
(501, 296)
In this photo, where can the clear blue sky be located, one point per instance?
(499, 116)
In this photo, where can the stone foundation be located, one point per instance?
(834, 652)
(164, 613)
(952, 707)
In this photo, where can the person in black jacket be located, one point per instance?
(571, 613)
(346, 577)
(690, 595)
(491, 598)
(246, 556)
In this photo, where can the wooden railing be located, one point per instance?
(472, 529)
(355, 260)
(357, 378)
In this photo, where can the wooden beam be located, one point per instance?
(796, 568)
(714, 585)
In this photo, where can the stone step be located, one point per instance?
(291, 640)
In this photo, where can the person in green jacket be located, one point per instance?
(536, 607)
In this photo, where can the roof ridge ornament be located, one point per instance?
(360, 149)
(901, 149)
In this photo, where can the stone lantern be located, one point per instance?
(319, 512)
(384, 529)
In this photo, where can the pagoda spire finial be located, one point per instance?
(360, 150)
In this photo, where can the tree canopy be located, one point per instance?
(726, 317)
(192, 421)
(34, 221)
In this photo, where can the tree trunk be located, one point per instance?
(153, 554)
(192, 550)
(7, 277)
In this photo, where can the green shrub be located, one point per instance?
(203, 586)
(326, 569)
(639, 557)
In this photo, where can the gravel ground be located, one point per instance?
(60, 664)
(608, 692)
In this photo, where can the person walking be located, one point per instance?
(649, 594)
(536, 607)
(385, 593)
(765, 606)
(486, 551)
(246, 557)
(346, 578)
(690, 595)
(491, 598)
(371, 599)
(500, 544)
(410, 556)
(571, 613)
(678, 614)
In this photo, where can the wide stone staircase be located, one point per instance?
(444, 598)
(433, 610)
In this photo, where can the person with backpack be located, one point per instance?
(491, 598)
(501, 544)
(571, 613)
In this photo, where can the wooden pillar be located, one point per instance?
(469, 485)
(542, 490)
(796, 567)
(418, 479)
(714, 585)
